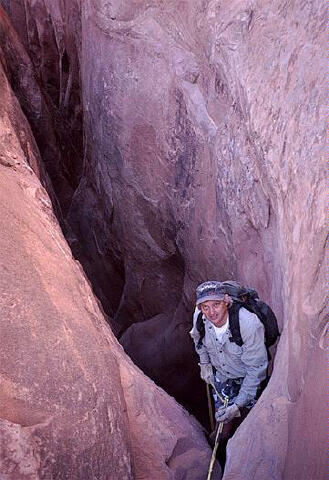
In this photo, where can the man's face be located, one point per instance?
(215, 311)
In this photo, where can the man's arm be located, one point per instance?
(254, 357)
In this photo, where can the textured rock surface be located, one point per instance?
(72, 404)
(204, 133)
(49, 94)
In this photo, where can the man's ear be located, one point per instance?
(228, 299)
(198, 306)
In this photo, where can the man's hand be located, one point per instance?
(225, 415)
(206, 372)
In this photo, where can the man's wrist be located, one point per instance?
(239, 402)
(242, 398)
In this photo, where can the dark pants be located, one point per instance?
(230, 428)
(227, 432)
(230, 390)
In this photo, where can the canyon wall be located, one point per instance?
(72, 404)
(203, 157)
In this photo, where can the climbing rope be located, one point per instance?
(221, 398)
(219, 430)
(210, 409)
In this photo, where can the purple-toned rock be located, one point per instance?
(72, 404)
(204, 134)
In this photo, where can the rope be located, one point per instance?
(219, 430)
(221, 398)
(210, 409)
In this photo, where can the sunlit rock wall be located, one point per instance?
(203, 158)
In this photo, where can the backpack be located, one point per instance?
(248, 298)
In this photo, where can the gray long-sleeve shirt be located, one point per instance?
(231, 361)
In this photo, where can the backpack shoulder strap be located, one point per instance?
(234, 323)
(201, 330)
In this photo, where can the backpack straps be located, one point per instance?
(234, 323)
(201, 330)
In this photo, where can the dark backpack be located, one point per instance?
(248, 298)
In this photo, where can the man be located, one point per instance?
(235, 370)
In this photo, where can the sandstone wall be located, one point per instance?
(203, 158)
(72, 404)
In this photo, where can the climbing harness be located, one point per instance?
(225, 401)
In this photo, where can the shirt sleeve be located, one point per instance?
(201, 350)
(254, 357)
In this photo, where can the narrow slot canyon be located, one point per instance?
(147, 147)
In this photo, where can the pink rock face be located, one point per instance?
(203, 158)
(72, 404)
(19, 457)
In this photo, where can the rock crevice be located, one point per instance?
(185, 142)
